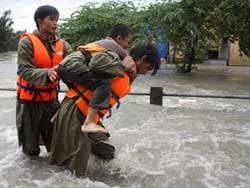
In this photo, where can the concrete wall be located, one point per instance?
(228, 54)
(235, 59)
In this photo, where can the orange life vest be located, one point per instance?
(120, 88)
(42, 59)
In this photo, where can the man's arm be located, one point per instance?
(67, 49)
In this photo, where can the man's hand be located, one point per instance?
(130, 67)
(52, 73)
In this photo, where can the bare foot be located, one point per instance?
(93, 128)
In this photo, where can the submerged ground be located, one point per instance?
(187, 142)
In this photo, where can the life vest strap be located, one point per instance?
(110, 113)
(33, 89)
(81, 94)
(116, 97)
(37, 91)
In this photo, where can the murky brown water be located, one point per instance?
(189, 142)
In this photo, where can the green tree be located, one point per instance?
(13, 40)
(231, 21)
(92, 21)
(193, 29)
(6, 30)
(185, 23)
(190, 25)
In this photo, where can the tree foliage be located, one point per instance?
(92, 21)
(231, 21)
(8, 38)
(185, 23)
(192, 24)
(188, 25)
(6, 30)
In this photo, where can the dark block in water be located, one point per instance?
(156, 95)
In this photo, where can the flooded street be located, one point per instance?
(186, 143)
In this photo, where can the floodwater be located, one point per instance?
(186, 143)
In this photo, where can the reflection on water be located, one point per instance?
(189, 142)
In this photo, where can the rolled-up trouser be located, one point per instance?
(34, 126)
(103, 150)
(101, 146)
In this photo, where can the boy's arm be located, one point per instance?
(108, 64)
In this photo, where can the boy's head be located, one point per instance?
(122, 34)
(46, 18)
(146, 58)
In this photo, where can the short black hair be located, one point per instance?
(44, 11)
(146, 48)
(120, 29)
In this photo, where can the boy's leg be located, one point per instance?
(101, 94)
(99, 100)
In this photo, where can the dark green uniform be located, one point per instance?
(71, 147)
(33, 118)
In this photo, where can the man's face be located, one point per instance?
(124, 41)
(48, 25)
(142, 66)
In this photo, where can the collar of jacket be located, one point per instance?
(112, 45)
(44, 38)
